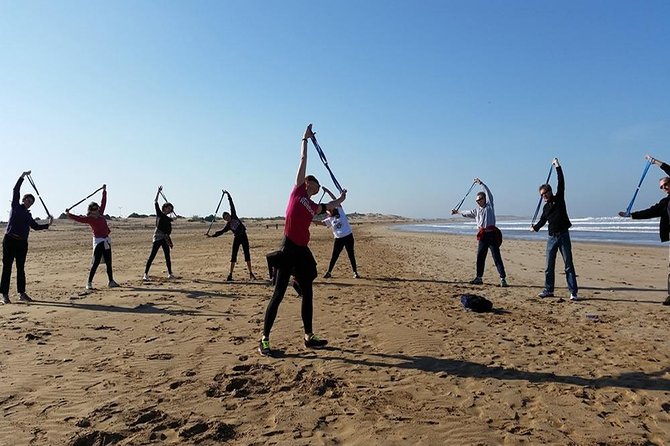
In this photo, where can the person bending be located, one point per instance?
(161, 237)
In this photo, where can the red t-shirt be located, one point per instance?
(299, 214)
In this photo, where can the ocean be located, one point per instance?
(588, 229)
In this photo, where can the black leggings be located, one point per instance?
(98, 253)
(299, 260)
(154, 250)
(238, 240)
(344, 242)
(13, 249)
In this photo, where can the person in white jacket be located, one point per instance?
(344, 237)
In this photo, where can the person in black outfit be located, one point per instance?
(15, 242)
(239, 231)
(161, 237)
(556, 213)
(660, 209)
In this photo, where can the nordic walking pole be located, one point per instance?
(223, 193)
(325, 161)
(86, 198)
(632, 200)
(160, 191)
(537, 209)
(30, 178)
(458, 206)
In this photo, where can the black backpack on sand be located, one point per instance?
(478, 304)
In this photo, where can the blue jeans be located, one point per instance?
(560, 242)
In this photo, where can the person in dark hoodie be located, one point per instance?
(555, 212)
(15, 242)
(161, 237)
(660, 209)
(235, 225)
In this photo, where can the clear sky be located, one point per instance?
(410, 100)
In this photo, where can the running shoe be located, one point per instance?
(503, 282)
(229, 278)
(252, 276)
(113, 284)
(171, 276)
(89, 286)
(666, 301)
(264, 348)
(327, 275)
(146, 277)
(5, 299)
(476, 281)
(23, 297)
(356, 275)
(313, 341)
(545, 293)
(574, 297)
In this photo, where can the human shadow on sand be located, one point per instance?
(148, 308)
(191, 294)
(467, 369)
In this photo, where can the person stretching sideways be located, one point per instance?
(296, 258)
(161, 237)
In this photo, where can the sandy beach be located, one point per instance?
(176, 361)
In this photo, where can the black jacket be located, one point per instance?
(555, 211)
(660, 209)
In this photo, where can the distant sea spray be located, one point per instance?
(587, 229)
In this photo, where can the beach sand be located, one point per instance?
(176, 362)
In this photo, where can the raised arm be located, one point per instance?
(103, 202)
(160, 188)
(659, 163)
(560, 189)
(233, 212)
(489, 195)
(16, 195)
(337, 201)
(302, 167)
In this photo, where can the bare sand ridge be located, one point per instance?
(175, 362)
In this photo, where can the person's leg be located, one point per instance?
(307, 308)
(21, 254)
(565, 247)
(281, 283)
(482, 248)
(166, 252)
(247, 255)
(497, 258)
(152, 256)
(552, 248)
(233, 256)
(8, 256)
(338, 245)
(107, 254)
(97, 256)
(349, 245)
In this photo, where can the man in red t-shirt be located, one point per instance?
(296, 258)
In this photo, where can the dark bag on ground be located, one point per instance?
(475, 303)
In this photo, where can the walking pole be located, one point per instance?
(86, 198)
(632, 200)
(223, 193)
(325, 162)
(30, 179)
(466, 196)
(537, 209)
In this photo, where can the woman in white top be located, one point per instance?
(344, 238)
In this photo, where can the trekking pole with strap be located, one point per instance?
(223, 193)
(324, 160)
(30, 179)
(539, 203)
(632, 200)
(458, 206)
(85, 198)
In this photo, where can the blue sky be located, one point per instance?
(410, 99)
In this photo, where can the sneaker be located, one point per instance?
(503, 282)
(252, 276)
(23, 297)
(264, 348)
(545, 293)
(666, 301)
(229, 278)
(313, 341)
(476, 281)
(356, 275)
(327, 275)
(574, 297)
(89, 286)
(113, 284)
(146, 277)
(5, 299)
(171, 276)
